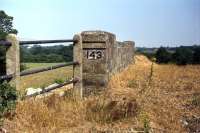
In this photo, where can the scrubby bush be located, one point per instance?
(162, 55)
(144, 118)
(8, 97)
(196, 55)
(183, 56)
(23, 67)
(59, 81)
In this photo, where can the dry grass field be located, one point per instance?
(144, 97)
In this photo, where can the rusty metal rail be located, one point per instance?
(29, 72)
(6, 77)
(5, 43)
(46, 41)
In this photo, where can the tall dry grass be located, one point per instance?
(139, 98)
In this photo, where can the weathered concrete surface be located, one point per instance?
(123, 55)
(78, 69)
(95, 71)
(13, 60)
(102, 57)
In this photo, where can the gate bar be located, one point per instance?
(29, 72)
(5, 77)
(25, 73)
(5, 43)
(45, 41)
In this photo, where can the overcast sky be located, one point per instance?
(148, 22)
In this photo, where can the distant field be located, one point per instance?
(44, 79)
(38, 65)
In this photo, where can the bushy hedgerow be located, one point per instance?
(182, 55)
(8, 97)
(162, 55)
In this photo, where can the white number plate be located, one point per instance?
(94, 54)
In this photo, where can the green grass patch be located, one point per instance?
(39, 65)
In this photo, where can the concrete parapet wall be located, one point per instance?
(102, 57)
(123, 55)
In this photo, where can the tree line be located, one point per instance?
(46, 54)
(182, 55)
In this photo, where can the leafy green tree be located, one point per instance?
(6, 27)
(47, 54)
(162, 55)
(196, 55)
(67, 53)
(36, 49)
(183, 56)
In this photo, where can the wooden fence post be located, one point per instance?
(77, 69)
(13, 60)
